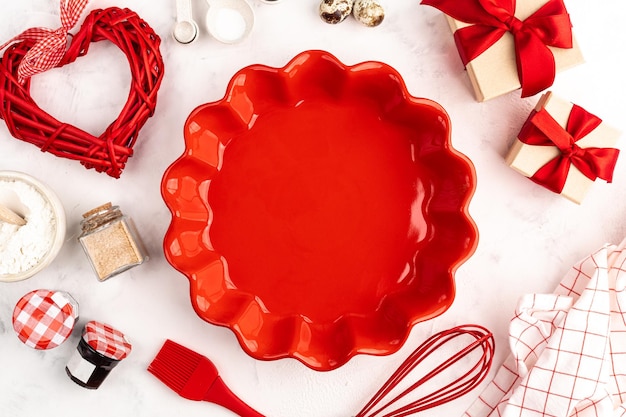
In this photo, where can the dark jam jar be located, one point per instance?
(99, 350)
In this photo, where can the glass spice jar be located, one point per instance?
(110, 241)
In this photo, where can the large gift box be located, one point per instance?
(506, 45)
(564, 148)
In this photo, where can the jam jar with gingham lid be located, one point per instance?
(43, 319)
(99, 350)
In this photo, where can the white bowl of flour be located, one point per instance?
(26, 250)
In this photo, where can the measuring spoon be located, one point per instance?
(186, 29)
(229, 21)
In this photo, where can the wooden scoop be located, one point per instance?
(9, 216)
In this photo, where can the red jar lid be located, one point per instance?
(44, 319)
(106, 340)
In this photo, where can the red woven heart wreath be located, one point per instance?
(38, 49)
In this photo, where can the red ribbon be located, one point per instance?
(491, 19)
(542, 130)
(50, 44)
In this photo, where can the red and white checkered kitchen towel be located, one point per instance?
(44, 319)
(106, 340)
(568, 349)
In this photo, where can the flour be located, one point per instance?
(21, 248)
(230, 25)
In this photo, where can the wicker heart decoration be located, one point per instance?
(26, 121)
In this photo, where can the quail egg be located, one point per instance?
(335, 11)
(368, 12)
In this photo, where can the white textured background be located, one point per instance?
(528, 236)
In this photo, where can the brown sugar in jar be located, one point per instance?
(110, 241)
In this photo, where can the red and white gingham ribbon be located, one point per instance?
(106, 340)
(50, 44)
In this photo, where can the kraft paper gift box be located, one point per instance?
(594, 142)
(494, 72)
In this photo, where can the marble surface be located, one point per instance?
(529, 237)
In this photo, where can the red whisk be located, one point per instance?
(482, 342)
(194, 376)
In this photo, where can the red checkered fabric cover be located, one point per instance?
(44, 319)
(106, 340)
(568, 349)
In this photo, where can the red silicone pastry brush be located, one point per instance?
(195, 377)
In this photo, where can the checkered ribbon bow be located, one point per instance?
(50, 44)
(568, 349)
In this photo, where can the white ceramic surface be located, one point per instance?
(529, 237)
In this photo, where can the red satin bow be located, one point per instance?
(50, 45)
(542, 130)
(491, 19)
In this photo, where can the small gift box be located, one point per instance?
(564, 148)
(506, 45)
